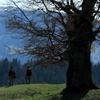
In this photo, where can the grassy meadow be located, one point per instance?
(45, 92)
(32, 92)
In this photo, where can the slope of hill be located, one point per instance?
(45, 92)
(32, 92)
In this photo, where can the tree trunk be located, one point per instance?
(79, 75)
(79, 71)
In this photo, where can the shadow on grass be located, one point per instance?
(76, 95)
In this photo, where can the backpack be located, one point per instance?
(29, 72)
(13, 73)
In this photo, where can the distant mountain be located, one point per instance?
(6, 39)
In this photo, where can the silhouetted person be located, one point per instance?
(11, 76)
(28, 75)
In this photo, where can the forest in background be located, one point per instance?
(54, 74)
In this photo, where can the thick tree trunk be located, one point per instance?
(79, 76)
(79, 72)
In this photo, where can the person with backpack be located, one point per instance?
(11, 76)
(28, 75)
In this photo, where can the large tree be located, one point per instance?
(62, 31)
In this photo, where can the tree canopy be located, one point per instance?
(56, 25)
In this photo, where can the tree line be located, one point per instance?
(54, 74)
(96, 74)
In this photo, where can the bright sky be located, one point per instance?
(3, 2)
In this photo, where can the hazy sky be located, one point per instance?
(6, 2)
(3, 2)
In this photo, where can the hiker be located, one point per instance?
(28, 75)
(11, 76)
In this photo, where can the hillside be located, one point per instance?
(45, 92)
(31, 92)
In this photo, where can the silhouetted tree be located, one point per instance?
(62, 31)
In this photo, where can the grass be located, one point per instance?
(45, 92)
(32, 92)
